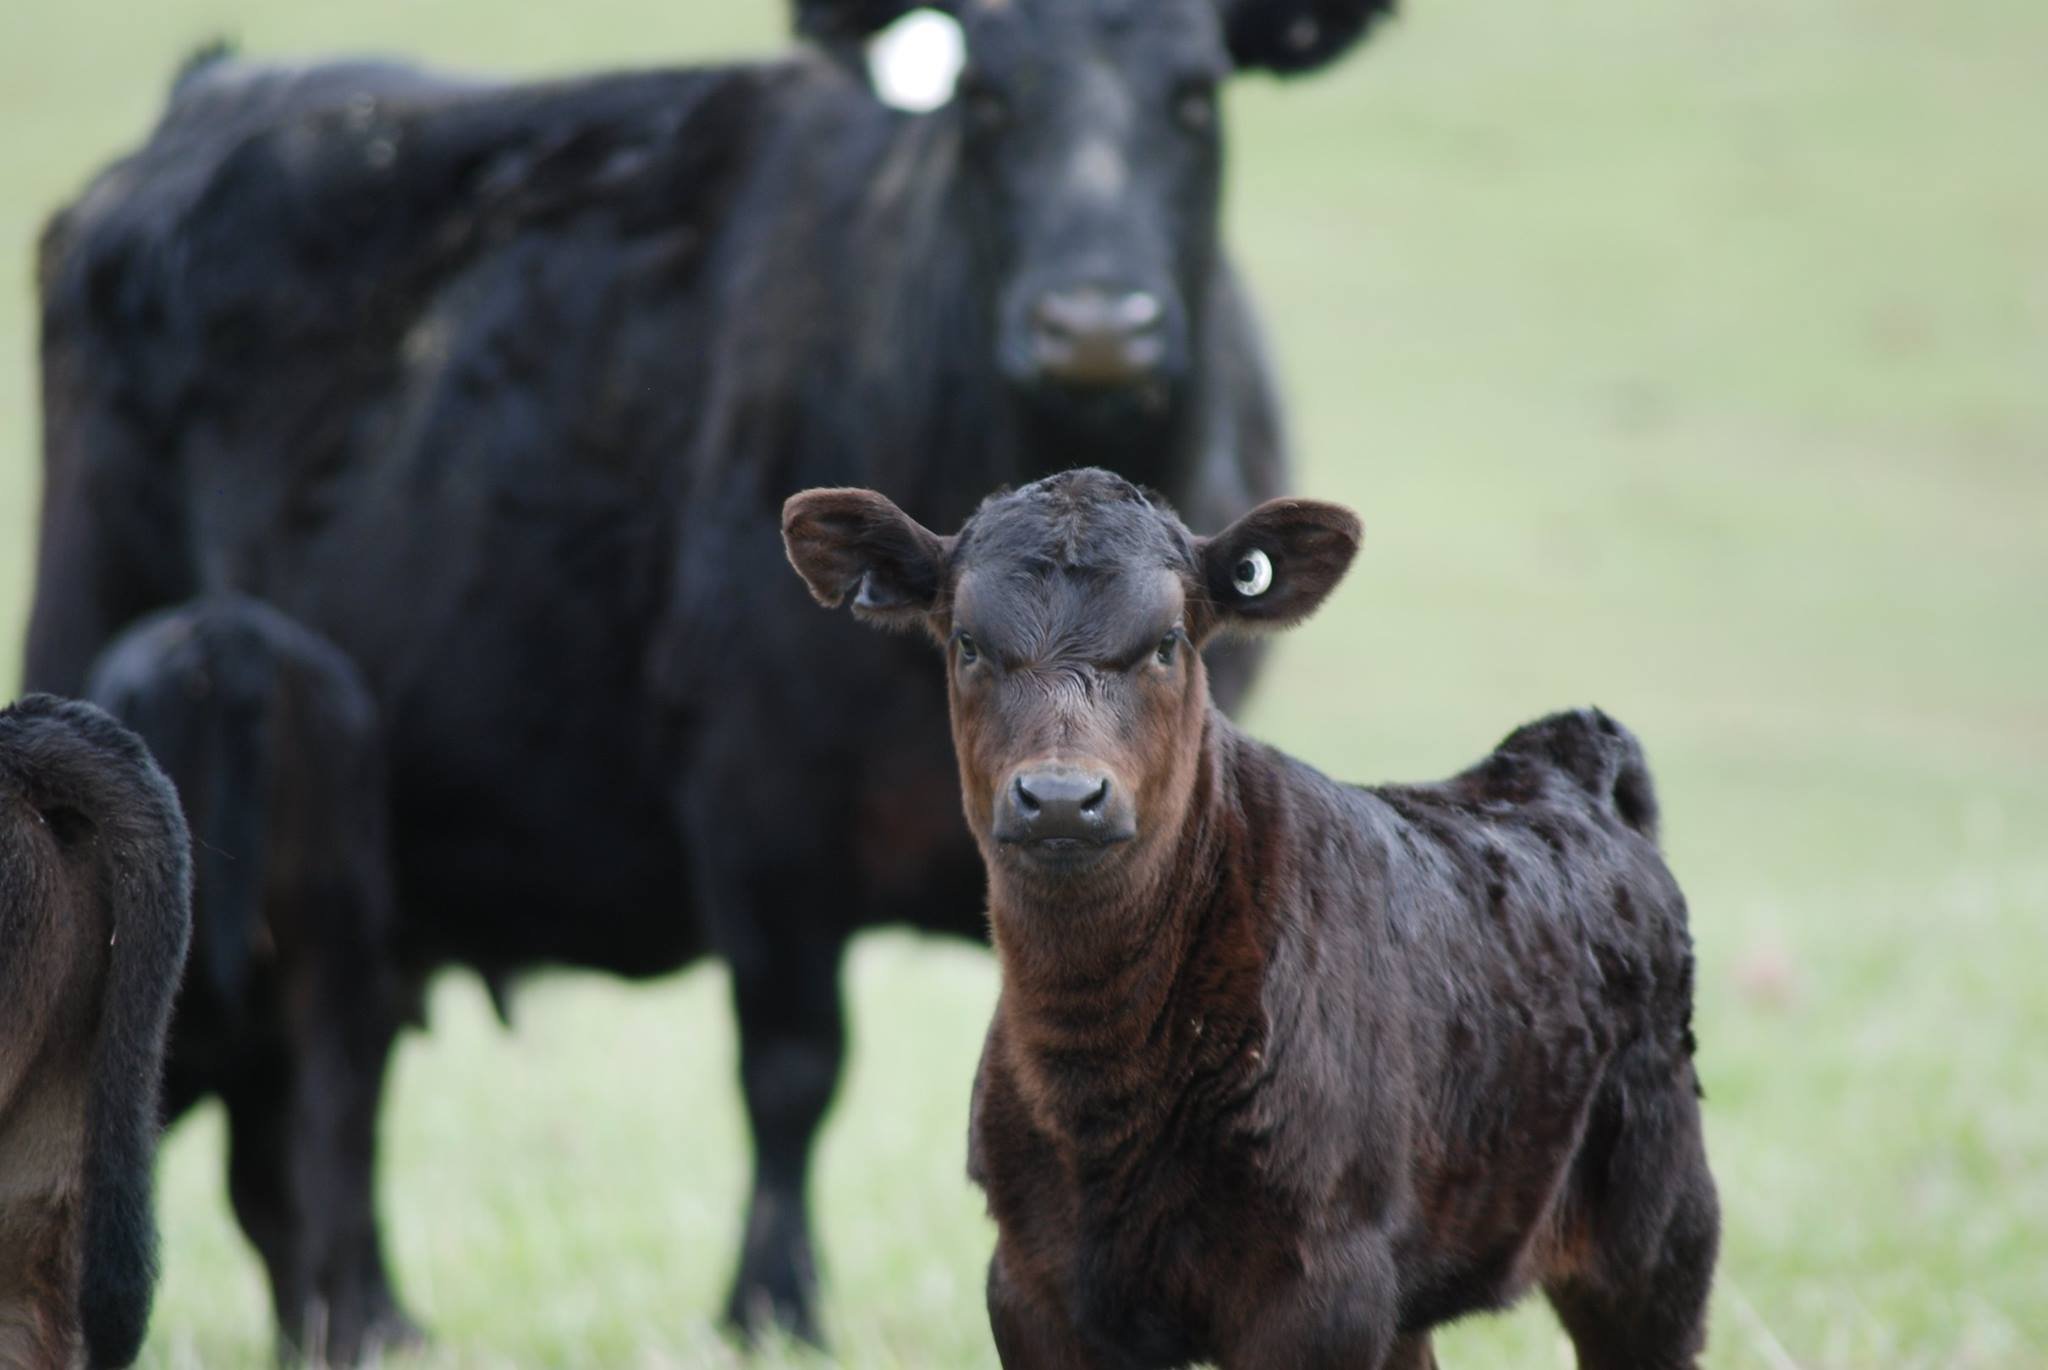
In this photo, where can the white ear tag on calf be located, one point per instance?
(915, 62)
(1253, 574)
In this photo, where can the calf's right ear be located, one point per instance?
(855, 542)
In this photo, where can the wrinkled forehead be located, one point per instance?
(1041, 34)
(1069, 566)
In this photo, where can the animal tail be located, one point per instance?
(233, 838)
(1601, 755)
(101, 775)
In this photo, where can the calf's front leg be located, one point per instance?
(1341, 1314)
(1032, 1329)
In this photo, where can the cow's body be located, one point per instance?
(1430, 1048)
(1285, 1072)
(294, 994)
(499, 388)
(95, 915)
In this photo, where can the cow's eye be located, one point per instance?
(1194, 106)
(987, 110)
(1168, 645)
(969, 653)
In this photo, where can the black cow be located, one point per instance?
(294, 994)
(1285, 1072)
(500, 388)
(95, 914)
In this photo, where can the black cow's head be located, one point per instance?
(1072, 612)
(1092, 158)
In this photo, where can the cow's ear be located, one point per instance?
(1290, 36)
(1277, 564)
(856, 543)
(839, 23)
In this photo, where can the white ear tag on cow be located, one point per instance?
(1253, 574)
(915, 62)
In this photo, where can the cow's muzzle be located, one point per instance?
(1063, 815)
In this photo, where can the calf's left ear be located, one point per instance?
(1289, 36)
(855, 542)
(1275, 566)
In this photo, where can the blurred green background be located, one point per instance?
(1690, 359)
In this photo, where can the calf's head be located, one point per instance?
(1072, 613)
(1091, 158)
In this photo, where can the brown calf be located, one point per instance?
(95, 913)
(1286, 1072)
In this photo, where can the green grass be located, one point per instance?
(1692, 359)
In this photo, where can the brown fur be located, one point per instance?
(1285, 1072)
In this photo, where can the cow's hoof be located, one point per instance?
(764, 1311)
(393, 1333)
(776, 1291)
(362, 1340)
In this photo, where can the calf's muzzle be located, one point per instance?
(1058, 810)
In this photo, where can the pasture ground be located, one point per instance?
(1690, 359)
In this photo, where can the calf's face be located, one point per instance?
(1072, 613)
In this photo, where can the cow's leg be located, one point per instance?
(1653, 1317)
(1340, 1317)
(1031, 1333)
(1640, 1301)
(792, 1044)
(301, 1173)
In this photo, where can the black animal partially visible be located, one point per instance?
(293, 996)
(500, 389)
(1285, 1072)
(95, 913)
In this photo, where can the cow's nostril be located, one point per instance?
(1138, 310)
(1096, 314)
(1059, 805)
(1092, 336)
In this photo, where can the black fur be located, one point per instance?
(112, 810)
(500, 387)
(1286, 1072)
(296, 992)
(1291, 36)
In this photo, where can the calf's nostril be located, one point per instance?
(1026, 800)
(1092, 804)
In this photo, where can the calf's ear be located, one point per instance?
(1289, 36)
(1275, 566)
(856, 543)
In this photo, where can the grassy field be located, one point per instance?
(1690, 359)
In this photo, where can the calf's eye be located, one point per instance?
(969, 653)
(1167, 646)
(1253, 574)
